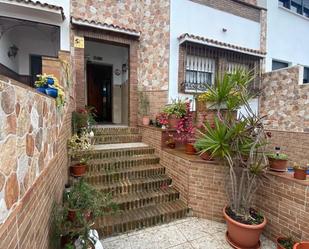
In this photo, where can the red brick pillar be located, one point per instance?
(79, 63)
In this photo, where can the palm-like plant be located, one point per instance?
(241, 143)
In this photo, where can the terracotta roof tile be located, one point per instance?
(105, 25)
(43, 5)
(221, 44)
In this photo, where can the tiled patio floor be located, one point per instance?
(189, 233)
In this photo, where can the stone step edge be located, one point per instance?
(133, 169)
(110, 178)
(147, 198)
(135, 186)
(140, 218)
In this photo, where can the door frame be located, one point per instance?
(112, 83)
(117, 39)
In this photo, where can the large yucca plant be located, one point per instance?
(240, 143)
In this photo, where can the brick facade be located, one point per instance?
(235, 7)
(33, 144)
(283, 200)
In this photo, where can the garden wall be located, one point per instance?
(285, 102)
(33, 170)
(283, 200)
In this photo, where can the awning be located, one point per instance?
(35, 5)
(104, 26)
(218, 44)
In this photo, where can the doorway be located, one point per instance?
(100, 91)
(107, 87)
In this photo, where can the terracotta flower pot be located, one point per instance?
(190, 150)
(300, 174)
(243, 236)
(206, 156)
(279, 246)
(171, 145)
(72, 214)
(302, 245)
(173, 121)
(278, 164)
(146, 120)
(78, 169)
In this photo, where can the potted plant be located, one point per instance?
(300, 172)
(162, 120)
(78, 146)
(175, 111)
(49, 85)
(144, 108)
(185, 131)
(302, 245)
(285, 243)
(278, 162)
(83, 118)
(229, 140)
(170, 142)
(84, 203)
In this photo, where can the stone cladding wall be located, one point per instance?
(33, 159)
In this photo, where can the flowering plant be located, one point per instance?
(83, 117)
(185, 128)
(79, 143)
(163, 119)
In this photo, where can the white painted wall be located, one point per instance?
(5, 44)
(201, 20)
(37, 39)
(35, 15)
(115, 56)
(287, 36)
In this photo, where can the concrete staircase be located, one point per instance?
(128, 169)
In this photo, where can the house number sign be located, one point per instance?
(79, 42)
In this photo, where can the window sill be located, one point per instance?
(294, 13)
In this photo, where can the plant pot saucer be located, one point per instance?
(278, 170)
(232, 244)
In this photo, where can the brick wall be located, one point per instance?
(294, 144)
(234, 7)
(283, 200)
(33, 169)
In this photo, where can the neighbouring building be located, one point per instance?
(115, 48)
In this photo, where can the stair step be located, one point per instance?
(140, 218)
(128, 186)
(115, 130)
(108, 151)
(123, 138)
(116, 164)
(110, 177)
(147, 198)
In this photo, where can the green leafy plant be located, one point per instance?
(83, 118)
(84, 197)
(240, 143)
(177, 108)
(144, 103)
(286, 243)
(278, 156)
(229, 91)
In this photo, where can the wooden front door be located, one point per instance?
(99, 83)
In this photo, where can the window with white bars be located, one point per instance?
(200, 72)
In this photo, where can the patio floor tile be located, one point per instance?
(189, 233)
